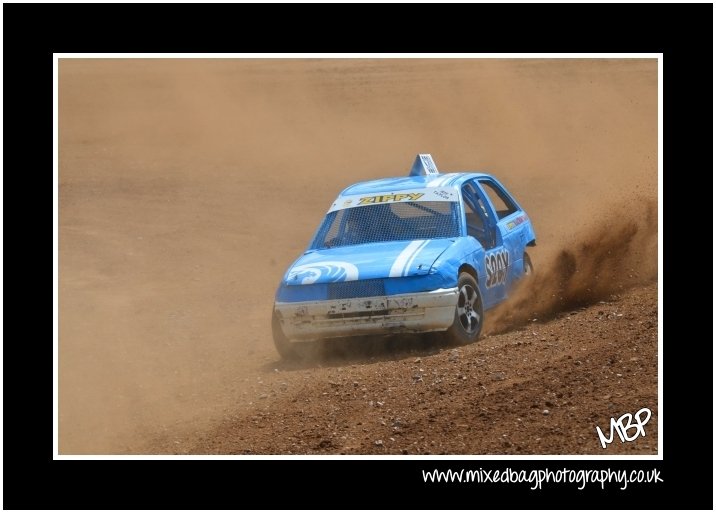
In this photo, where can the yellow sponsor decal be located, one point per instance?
(413, 196)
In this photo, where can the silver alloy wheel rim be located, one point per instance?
(469, 318)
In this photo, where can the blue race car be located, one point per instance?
(422, 253)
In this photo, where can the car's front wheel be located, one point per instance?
(291, 351)
(467, 324)
(283, 345)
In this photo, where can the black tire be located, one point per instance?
(283, 345)
(292, 351)
(469, 316)
(528, 267)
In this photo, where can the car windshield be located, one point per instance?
(388, 222)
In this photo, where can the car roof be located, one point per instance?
(402, 183)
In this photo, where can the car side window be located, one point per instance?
(504, 206)
(475, 223)
(477, 218)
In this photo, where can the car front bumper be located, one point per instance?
(404, 313)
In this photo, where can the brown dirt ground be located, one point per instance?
(188, 186)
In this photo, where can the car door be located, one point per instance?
(513, 240)
(481, 222)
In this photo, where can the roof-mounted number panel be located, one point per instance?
(424, 165)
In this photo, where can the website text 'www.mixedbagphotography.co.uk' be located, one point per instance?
(537, 478)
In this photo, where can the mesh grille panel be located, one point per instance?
(358, 288)
(388, 222)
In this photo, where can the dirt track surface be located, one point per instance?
(541, 389)
(187, 188)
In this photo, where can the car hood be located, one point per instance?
(367, 261)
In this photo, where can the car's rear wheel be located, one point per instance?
(528, 267)
(468, 320)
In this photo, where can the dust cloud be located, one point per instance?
(186, 187)
(616, 254)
